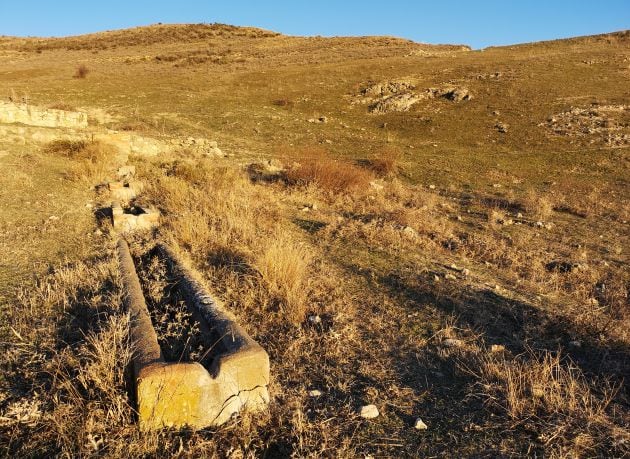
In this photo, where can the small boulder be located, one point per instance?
(458, 95)
(420, 425)
(369, 412)
(502, 127)
(452, 342)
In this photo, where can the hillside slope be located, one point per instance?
(437, 231)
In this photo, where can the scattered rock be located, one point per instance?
(452, 342)
(575, 344)
(604, 124)
(458, 94)
(314, 319)
(450, 276)
(314, 393)
(420, 425)
(368, 412)
(388, 88)
(396, 103)
(502, 127)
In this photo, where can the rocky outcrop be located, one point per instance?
(11, 113)
(401, 95)
(396, 103)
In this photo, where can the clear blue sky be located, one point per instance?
(477, 23)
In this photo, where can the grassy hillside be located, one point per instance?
(456, 219)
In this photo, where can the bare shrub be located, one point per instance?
(67, 148)
(318, 167)
(81, 72)
(283, 102)
(385, 162)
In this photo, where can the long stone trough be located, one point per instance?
(177, 394)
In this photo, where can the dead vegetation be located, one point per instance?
(81, 72)
(91, 159)
(315, 165)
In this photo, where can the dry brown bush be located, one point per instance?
(62, 106)
(81, 72)
(537, 205)
(283, 102)
(318, 167)
(385, 162)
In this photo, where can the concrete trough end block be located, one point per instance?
(134, 219)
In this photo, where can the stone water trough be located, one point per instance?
(177, 394)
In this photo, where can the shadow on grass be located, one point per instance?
(516, 324)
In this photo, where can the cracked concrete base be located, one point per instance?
(187, 394)
(138, 219)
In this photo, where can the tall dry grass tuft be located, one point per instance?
(283, 269)
(538, 206)
(553, 395)
(90, 159)
(315, 165)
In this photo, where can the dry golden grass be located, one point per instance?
(553, 395)
(283, 267)
(394, 270)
